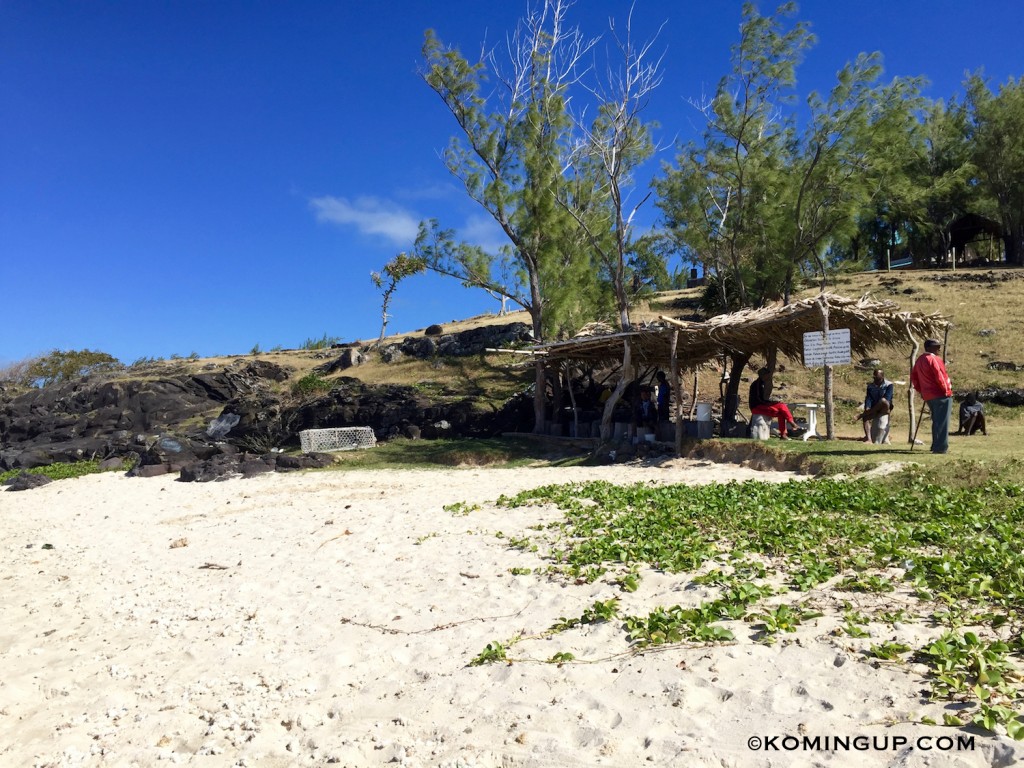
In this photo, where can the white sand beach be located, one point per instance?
(329, 618)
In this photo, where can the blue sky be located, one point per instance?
(188, 176)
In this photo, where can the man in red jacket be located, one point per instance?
(930, 379)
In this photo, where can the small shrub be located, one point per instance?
(311, 384)
(65, 470)
(324, 342)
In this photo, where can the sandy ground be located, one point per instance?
(329, 618)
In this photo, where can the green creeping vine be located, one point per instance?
(959, 551)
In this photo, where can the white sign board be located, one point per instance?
(834, 351)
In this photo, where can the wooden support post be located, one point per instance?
(677, 393)
(830, 417)
(910, 390)
(572, 402)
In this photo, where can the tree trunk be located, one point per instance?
(540, 425)
(732, 400)
(557, 394)
(540, 384)
(613, 399)
(771, 361)
(1012, 244)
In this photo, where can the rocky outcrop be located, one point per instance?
(165, 419)
(266, 421)
(1013, 398)
(26, 481)
(350, 357)
(225, 466)
(435, 343)
(98, 416)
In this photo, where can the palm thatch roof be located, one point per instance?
(872, 324)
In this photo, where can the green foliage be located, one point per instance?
(492, 653)
(561, 658)
(601, 612)
(962, 546)
(395, 271)
(629, 583)
(324, 342)
(311, 384)
(764, 196)
(142, 362)
(816, 529)
(996, 125)
(63, 365)
(871, 583)
(64, 470)
(675, 624)
(812, 575)
(970, 669)
(510, 155)
(784, 618)
(255, 349)
(461, 508)
(889, 650)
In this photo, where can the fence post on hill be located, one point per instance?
(830, 421)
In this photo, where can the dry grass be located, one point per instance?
(975, 300)
(966, 297)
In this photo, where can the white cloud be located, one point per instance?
(369, 215)
(484, 232)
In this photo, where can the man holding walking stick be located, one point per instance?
(930, 379)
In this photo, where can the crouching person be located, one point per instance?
(972, 416)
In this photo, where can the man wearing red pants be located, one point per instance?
(762, 405)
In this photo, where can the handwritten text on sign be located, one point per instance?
(836, 351)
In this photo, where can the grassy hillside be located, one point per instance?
(986, 309)
(985, 306)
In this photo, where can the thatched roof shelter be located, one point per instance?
(872, 324)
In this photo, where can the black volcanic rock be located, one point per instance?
(25, 481)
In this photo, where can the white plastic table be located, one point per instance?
(812, 417)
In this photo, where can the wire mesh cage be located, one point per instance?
(336, 439)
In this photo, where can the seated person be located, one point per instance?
(972, 416)
(877, 403)
(762, 405)
(645, 415)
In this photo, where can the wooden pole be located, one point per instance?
(911, 432)
(677, 392)
(693, 401)
(572, 401)
(830, 420)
